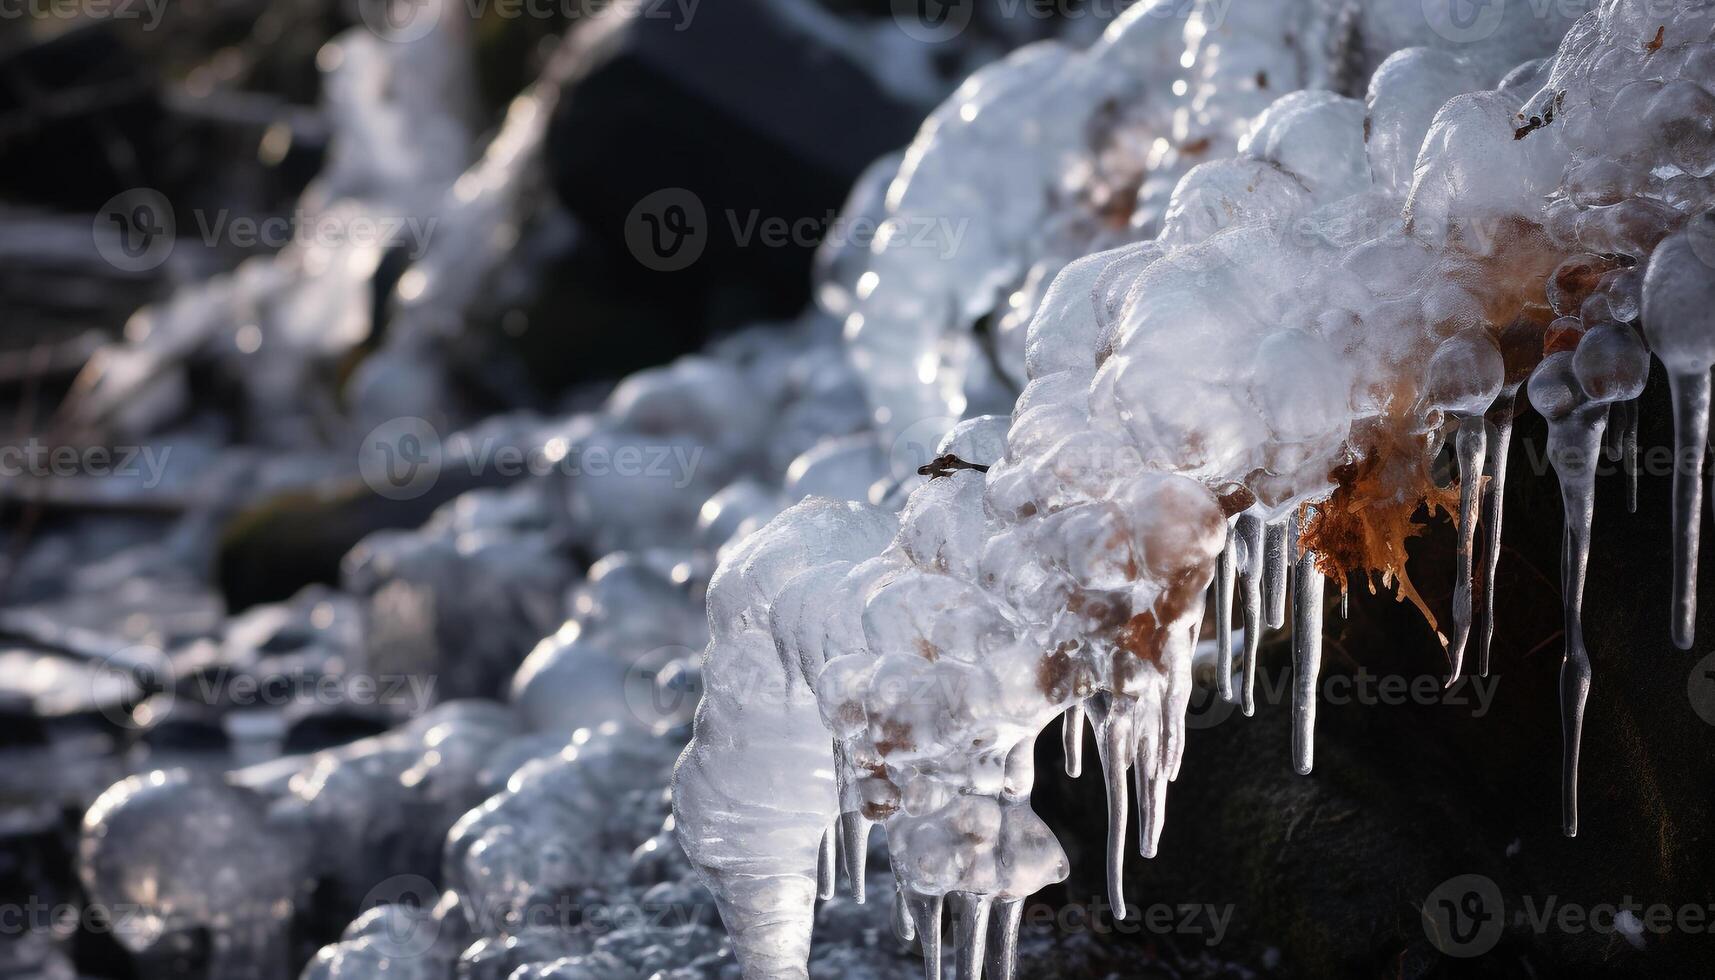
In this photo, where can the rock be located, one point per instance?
(794, 121)
(71, 94)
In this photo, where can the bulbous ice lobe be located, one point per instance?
(1404, 95)
(172, 851)
(754, 793)
(1094, 142)
(563, 824)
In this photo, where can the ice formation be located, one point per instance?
(187, 851)
(1095, 143)
(1250, 397)
(536, 780)
(1233, 284)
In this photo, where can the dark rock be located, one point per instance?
(20, 726)
(325, 728)
(80, 118)
(703, 126)
(178, 724)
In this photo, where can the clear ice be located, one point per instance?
(1238, 283)
(1233, 319)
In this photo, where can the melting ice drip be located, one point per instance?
(1251, 400)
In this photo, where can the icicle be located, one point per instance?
(926, 916)
(1690, 394)
(1249, 531)
(854, 849)
(1143, 782)
(903, 927)
(1463, 380)
(1676, 311)
(827, 873)
(1494, 498)
(1114, 764)
(1570, 437)
(1148, 777)
(1470, 450)
(1578, 496)
(1114, 718)
(1171, 712)
(1571, 391)
(1003, 938)
(1276, 564)
(1629, 454)
(1345, 603)
(1306, 659)
(1614, 432)
(1225, 570)
(1154, 771)
(971, 932)
(1072, 739)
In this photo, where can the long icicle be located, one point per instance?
(1115, 741)
(1250, 533)
(1572, 393)
(1471, 448)
(1690, 437)
(926, 915)
(1277, 562)
(1003, 938)
(1306, 659)
(854, 849)
(1225, 571)
(1629, 454)
(1675, 316)
(1494, 501)
(1579, 438)
(970, 932)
